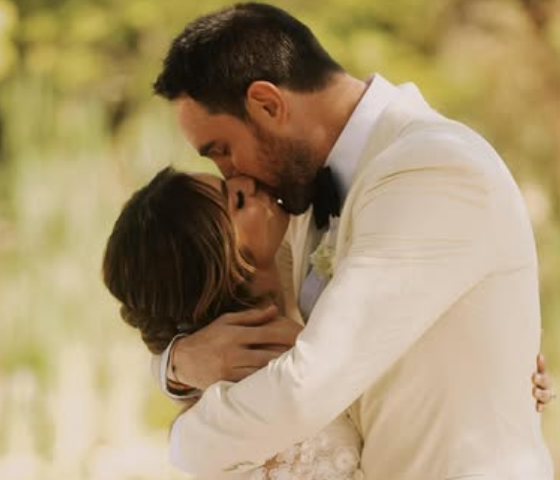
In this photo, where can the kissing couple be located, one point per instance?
(356, 298)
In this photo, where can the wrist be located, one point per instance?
(171, 385)
(178, 389)
(173, 373)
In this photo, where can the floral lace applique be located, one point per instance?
(334, 454)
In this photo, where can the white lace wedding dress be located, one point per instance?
(334, 454)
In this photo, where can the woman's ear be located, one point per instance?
(266, 104)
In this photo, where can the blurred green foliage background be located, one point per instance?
(80, 130)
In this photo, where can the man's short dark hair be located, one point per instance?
(217, 57)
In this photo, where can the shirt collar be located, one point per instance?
(349, 146)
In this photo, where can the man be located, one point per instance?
(434, 267)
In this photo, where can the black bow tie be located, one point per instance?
(326, 198)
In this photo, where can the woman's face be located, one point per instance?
(260, 223)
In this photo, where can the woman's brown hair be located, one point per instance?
(172, 259)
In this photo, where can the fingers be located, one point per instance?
(541, 364)
(539, 407)
(217, 351)
(244, 358)
(276, 348)
(250, 318)
(281, 331)
(248, 362)
(542, 390)
(543, 396)
(542, 381)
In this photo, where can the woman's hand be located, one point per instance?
(542, 385)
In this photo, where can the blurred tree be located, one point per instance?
(8, 23)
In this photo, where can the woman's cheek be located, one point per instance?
(247, 232)
(258, 226)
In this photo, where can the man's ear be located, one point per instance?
(266, 103)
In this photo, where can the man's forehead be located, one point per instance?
(196, 120)
(196, 125)
(190, 113)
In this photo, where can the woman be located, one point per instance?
(186, 249)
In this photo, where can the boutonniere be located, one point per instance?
(322, 258)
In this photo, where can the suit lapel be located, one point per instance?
(405, 106)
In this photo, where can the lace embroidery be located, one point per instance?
(334, 454)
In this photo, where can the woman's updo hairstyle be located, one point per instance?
(172, 260)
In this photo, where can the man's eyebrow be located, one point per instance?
(206, 148)
(224, 189)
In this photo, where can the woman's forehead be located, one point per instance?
(208, 178)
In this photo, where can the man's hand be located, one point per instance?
(232, 347)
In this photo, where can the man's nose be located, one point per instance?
(227, 170)
(247, 185)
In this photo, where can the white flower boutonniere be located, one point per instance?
(322, 258)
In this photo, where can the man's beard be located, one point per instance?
(295, 170)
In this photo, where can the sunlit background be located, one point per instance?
(80, 130)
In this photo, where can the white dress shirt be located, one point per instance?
(347, 151)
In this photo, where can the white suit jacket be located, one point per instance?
(428, 329)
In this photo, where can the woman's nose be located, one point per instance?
(246, 185)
